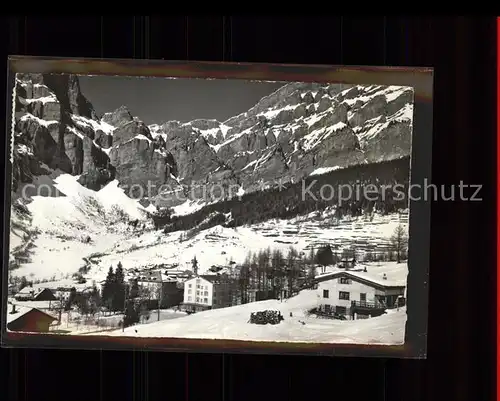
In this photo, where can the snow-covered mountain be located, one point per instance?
(90, 163)
(299, 130)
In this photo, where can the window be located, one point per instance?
(205, 293)
(344, 280)
(325, 293)
(344, 295)
(190, 285)
(190, 298)
(205, 300)
(197, 292)
(198, 286)
(362, 297)
(190, 291)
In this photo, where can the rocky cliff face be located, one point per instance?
(300, 129)
(56, 128)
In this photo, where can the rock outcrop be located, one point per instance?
(286, 136)
(57, 126)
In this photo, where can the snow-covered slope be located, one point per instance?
(232, 324)
(60, 226)
(219, 246)
(60, 230)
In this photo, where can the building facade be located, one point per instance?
(161, 292)
(28, 320)
(35, 294)
(356, 296)
(198, 294)
(208, 292)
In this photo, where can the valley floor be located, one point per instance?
(233, 324)
(65, 223)
(85, 229)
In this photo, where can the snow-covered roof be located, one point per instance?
(31, 292)
(206, 278)
(57, 285)
(395, 274)
(34, 304)
(21, 311)
(150, 276)
(28, 290)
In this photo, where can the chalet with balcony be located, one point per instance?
(358, 295)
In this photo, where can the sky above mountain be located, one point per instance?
(156, 100)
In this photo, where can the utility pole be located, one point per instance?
(160, 298)
(60, 306)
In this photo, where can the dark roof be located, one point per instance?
(23, 311)
(213, 278)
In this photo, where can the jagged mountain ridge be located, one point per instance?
(57, 128)
(299, 129)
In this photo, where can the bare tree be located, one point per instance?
(399, 242)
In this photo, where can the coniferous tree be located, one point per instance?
(71, 299)
(312, 256)
(194, 264)
(94, 300)
(134, 289)
(23, 283)
(82, 302)
(311, 273)
(108, 289)
(292, 269)
(277, 271)
(243, 281)
(324, 257)
(399, 241)
(119, 289)
(132, 314)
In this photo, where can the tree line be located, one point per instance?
(116, 295)
(269, 273)
(289, 201)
